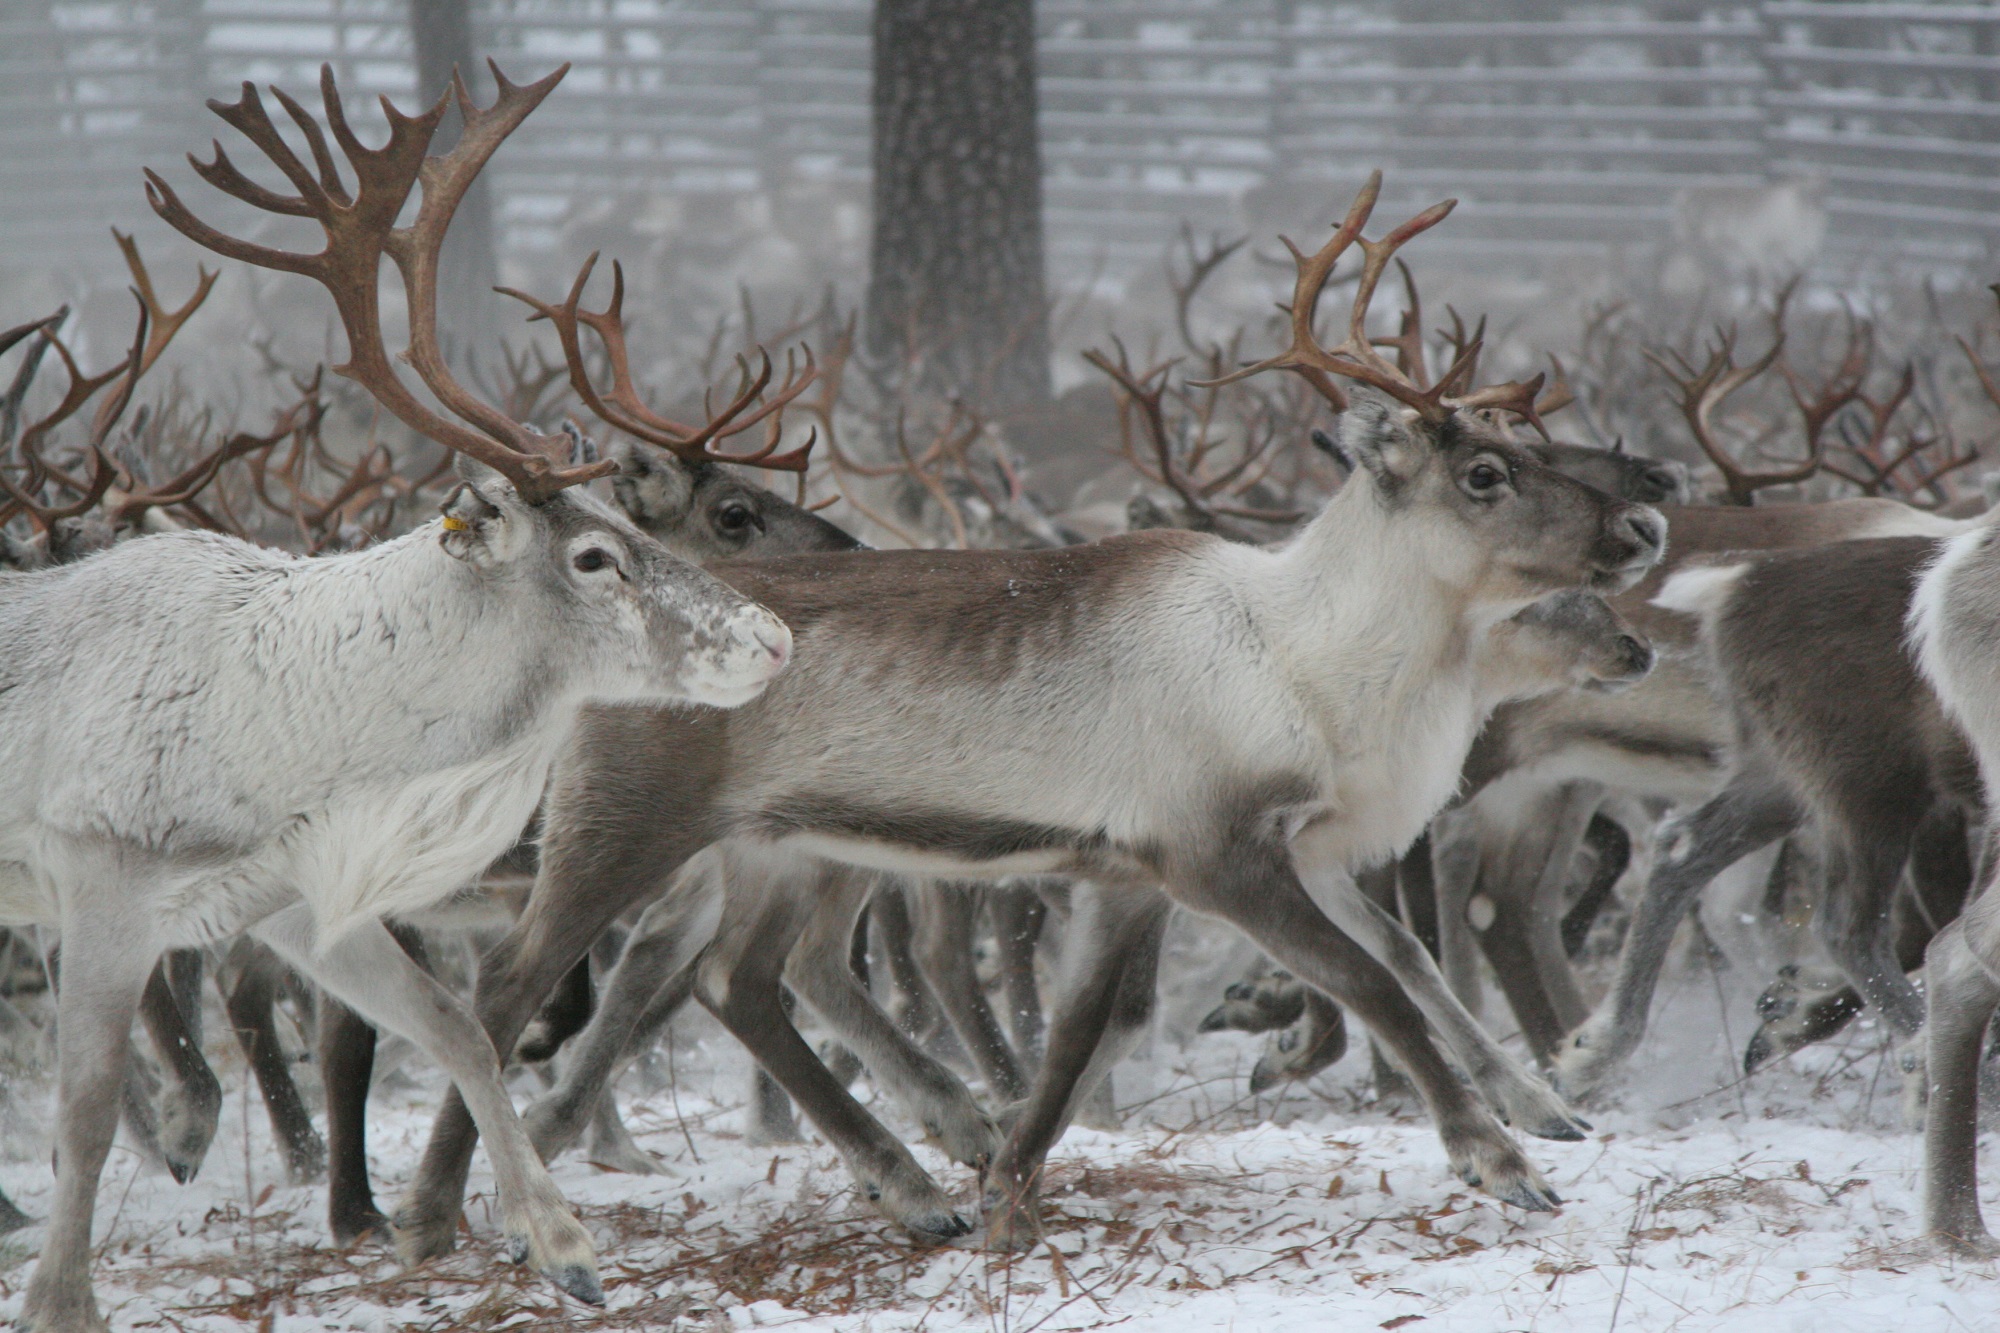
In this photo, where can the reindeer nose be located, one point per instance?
(1638, 653)
(775, 638)
(1643, 528)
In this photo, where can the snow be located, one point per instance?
(1788, 1201)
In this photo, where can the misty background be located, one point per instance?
(1630, 175)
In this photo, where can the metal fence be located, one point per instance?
(1566, 128)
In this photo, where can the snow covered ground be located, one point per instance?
(1787, 1202)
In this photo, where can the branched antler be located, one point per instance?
(1142, 399)
(360, 229)
(1201, 266)
(1702, 393)
(1356, 357)
(622, 407)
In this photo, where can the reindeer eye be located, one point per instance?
(734, 517)
(590, 561)
(1485, 477)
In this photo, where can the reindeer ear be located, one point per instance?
(1380, 437)
(475, 515)
(653, 487)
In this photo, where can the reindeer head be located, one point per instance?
(1477, 509)
(1485, 513)
(702, 511)
(629, 619)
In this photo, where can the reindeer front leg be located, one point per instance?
(369, 972)
(1521, 1098)
(105, 963)
(1254, 889)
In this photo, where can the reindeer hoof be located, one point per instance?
(419, 1238)
(577, 1280)
(1012, 1226)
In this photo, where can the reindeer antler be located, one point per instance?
(1702, 393)
(1355, 357)
(360, 229)
(621, 405)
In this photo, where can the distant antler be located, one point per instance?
(1979, 369)
(361, 228)
(1702, 392)
(1355, 358)
(1202, 265)
(622, 407)
(1142, 394)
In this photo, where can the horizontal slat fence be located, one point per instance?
(1565, 128)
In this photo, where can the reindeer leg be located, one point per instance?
(1523, 943)
(104, 969)
(1853, 922)
(819, 973)
(1753, 810)
(1018, 914)
(368, 971)
(1110, 966)
(738, 980)
(947, 915)
(346, 1063)
(347, 1066)
(1255, 889)
(614, 853)
(1520, 1097)
(1416, 893)
(1962, 995)
(1613, 845)
(661, 946)
(249, 998)
(1456, 863)
(890, 916)
(189, 1109)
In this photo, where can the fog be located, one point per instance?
(1670, 162)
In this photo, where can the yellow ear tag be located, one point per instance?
(453, 523)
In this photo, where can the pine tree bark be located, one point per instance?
(956, 288)
(468, 269)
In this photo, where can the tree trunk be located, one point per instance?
(956, 289)
(467, 269)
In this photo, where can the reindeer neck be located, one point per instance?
(420, 627)
(1366, 580)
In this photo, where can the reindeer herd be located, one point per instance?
(725, 740)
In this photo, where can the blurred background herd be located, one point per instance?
(1649, 193)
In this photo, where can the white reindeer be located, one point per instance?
(200, 737)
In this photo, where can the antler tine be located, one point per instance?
(1305, 357)
(623, 407)
(361, 228)
(1465, 350)
(20, 331)
(1376, 257)
(1143, 391)
(1409, 339)
(197, 476)
(416, 249)
(103, 473)
(1356, 357)
(1516, 396)
(1703, 391)
(165, 323)
(1560, 394)
(82, 388)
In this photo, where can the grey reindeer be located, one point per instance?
(1321, 694)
